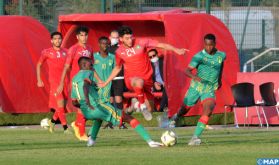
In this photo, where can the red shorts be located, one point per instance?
(54, 98)
(147, 86)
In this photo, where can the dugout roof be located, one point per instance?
(178, 27)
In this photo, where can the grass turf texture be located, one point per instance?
(221, 146)
(34, 119)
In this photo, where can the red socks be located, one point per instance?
(204, 119)
(80, 123)
(61, 114)
(134, 123)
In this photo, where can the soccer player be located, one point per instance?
(104, 63)
(209, 64)
(85, 96)
(80, 49)
(55, 58)
(137, 67)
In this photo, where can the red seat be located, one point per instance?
(132, 94)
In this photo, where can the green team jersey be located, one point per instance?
(103, 67)
(77, 87)
(208, 69)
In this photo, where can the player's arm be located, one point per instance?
(63, 76)
(40, 83)
(172, 48)
(189, 73)
(220, 76)
(86, 86)
(113, 74)
(194, 63)
(97, 77)
(43, 57)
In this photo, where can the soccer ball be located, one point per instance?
(44, 123)
(169, 138)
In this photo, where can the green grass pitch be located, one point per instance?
(124, 147)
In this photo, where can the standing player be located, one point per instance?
(209, 64)
(85, 96)
(104, 63)
(117, 87)
(55, 58)
(137, 67)
(80, 49)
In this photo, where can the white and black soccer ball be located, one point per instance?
(169, 138)
(44, 123)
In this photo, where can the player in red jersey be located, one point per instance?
(137, 67)
(80, 49)
(55, 58)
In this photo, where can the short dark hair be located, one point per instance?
(54, 34)
(124, 30)
(82, 29)
(153, 50)
(82, 59)
(210, 36)
(103, 38)
(114, 31)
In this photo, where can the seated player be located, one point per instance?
(85, 95)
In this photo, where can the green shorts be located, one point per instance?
(102, 111)
(195, 93)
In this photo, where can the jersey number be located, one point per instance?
(130, 52)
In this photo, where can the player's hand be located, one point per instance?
(59, 89)
(181, 51)
(100, 81)
(196, 78)
(40, 83)
(157, 86)
(102, 84)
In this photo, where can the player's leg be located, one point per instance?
(208, 102)
(135, 124)
(138, 86)
(61, 114)
(80, 123)
(53, 105)
(118, 97)
(189, 101)
(94, 132)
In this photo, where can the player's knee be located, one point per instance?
(127, 118)
(118, 99)
(137, 82)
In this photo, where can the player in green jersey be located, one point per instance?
(85, 96)
(104, 64)
(209, 65)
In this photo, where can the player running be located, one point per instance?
(85, 96)
(137, 67)
(55, 58)
(80, 49)
(209, 65)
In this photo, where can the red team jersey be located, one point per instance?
(135, 59)
(55, 60)
(74, 53)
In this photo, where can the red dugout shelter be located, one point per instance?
(22, 40)
(178, 27)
